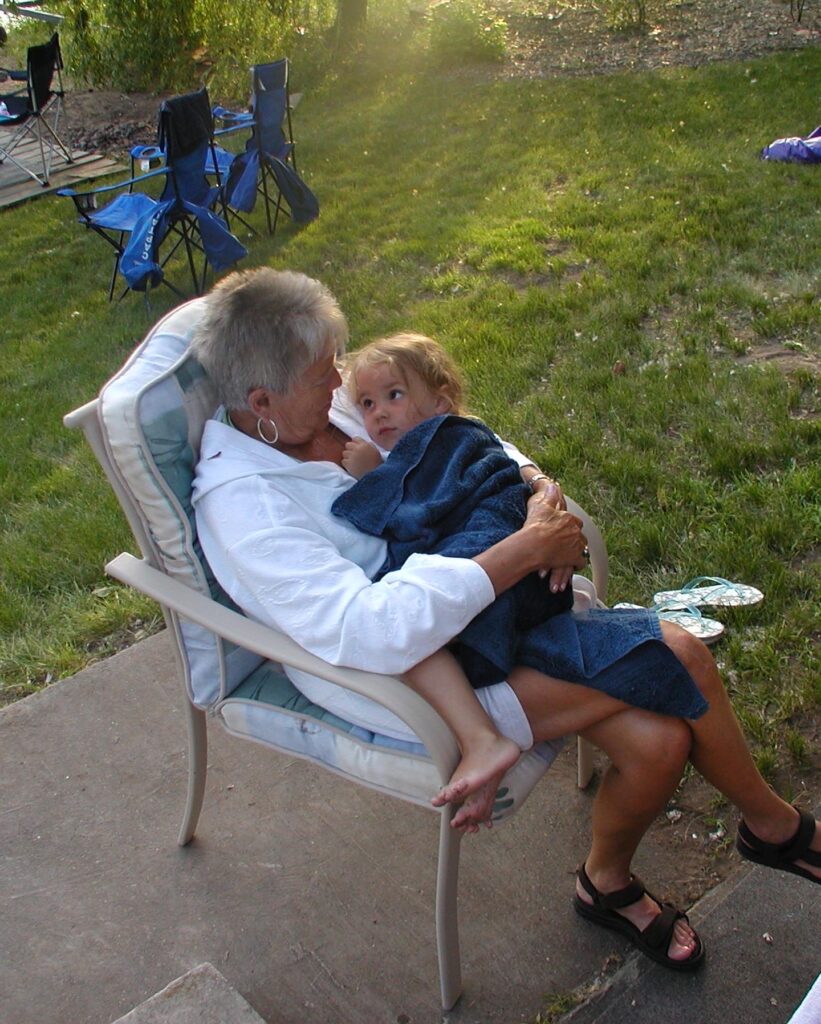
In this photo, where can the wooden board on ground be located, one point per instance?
(16, 186)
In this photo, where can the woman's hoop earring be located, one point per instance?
(261, 433)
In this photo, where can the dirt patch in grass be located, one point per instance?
(103, 121)
(562, 39)
(787, 359)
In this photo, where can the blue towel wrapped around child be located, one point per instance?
(448, 488)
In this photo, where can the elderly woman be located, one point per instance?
(269, 471)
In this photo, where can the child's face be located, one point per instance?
(391, 406)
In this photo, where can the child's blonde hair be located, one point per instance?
(412, 354)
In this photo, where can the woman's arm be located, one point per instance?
(298, 570)
(294, 568)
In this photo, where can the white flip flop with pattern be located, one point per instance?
(689, 618)
(719, 593)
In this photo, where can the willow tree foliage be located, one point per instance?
(160, 45)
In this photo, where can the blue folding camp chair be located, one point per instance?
(267, 167)
(138, 225)
(32, 114)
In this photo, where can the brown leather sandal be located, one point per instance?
(654, 940)
(782, 856)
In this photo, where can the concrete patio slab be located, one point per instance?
(202, 996)
(312, 897)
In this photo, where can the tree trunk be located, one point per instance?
(350, 19)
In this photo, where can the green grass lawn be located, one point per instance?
(609, 261)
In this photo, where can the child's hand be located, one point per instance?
(360, 457)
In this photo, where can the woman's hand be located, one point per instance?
(551, 492)
(564, 542)
(541, 484)
(550, 539)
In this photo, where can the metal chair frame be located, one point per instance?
(36, 110)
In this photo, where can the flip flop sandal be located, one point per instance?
(720, 594)
(782, 856)
(654, 940)
(688, 617)
(691, 619)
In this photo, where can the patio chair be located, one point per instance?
(145, 428)
(146, 231)
(267, 167)
(33, 114)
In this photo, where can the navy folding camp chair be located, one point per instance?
(267, 167)
(32, 114)
(146, 231)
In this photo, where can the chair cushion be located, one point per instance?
(390, 766)
(153, 412)
(307, 730)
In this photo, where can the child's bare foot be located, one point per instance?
(478, 807)
(485, 761)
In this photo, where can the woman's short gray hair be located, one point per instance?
(262, 328)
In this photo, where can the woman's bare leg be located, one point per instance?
(647, 755)
(486, 753)
(626, 802)
(720, 752)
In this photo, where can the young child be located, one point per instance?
(464, 493)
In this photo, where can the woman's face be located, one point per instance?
(303, 413)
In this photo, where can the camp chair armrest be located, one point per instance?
(112, 188)
(233, 119)
(388, 691)
(220, 133)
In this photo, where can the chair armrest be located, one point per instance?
(111, 188)
(222, 132)
(599, 564)
(233, 121)
(388, 691)
(235, 118)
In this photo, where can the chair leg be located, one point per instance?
(276, 211)
(190, 253)
(118, 250)
(56, 143)
(265, 172)
(197, 770)
(447, 923)
(584, 762)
